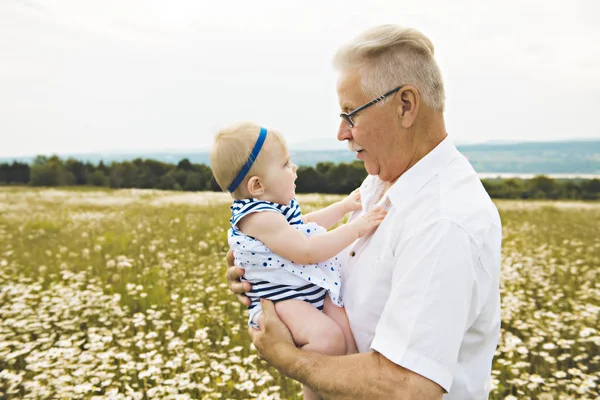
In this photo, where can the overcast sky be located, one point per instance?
(96, 76)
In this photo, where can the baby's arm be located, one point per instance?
(331, 215)
(281, 238)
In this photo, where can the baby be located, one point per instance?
(288, 257)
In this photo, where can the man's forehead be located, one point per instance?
(349, 88)
(348, 80)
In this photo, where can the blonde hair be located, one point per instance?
(388, 56)
(232, 147)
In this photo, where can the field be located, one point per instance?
(121, 294)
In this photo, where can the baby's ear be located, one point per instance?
(255, 187)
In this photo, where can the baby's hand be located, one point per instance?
(367, 224)
(352, 202)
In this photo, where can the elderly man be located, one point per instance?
(421, 293)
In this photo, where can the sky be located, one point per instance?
(83, 76)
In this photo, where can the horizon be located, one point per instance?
(341, 146)
(551, 158)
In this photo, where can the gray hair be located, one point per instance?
(388, 56)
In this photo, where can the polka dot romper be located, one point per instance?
(274, 277)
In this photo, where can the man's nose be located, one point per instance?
(344, 132)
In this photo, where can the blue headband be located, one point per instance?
(242, 174)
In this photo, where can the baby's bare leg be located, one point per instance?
(338, 314)
(312, 330)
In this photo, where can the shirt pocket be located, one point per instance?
(374, 293)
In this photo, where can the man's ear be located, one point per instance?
(409, 105)
(255, 187)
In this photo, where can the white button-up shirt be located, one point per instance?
(423, 290)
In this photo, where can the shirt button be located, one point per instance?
(352, 254)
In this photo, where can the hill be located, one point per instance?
(563, 157)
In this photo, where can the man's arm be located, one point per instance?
(358, 376)
(420, 331)
(362, 376)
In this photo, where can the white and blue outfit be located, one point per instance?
(274, 277)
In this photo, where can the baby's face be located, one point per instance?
(279, 176)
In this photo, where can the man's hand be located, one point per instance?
(273, 340)
(366, 375)
(352, 202)
(233, 276)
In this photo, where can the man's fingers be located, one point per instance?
(256, 337)
(253, 332)
(234, 274)
(230, 258)
(247, 286)
(243, 299)
(239, 287)
(268, 308)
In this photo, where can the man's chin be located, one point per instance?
(372, 169)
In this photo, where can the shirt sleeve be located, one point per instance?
(437, 277)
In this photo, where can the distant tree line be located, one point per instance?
(325, 177)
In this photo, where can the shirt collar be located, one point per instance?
(413, 180)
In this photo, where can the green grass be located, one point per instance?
(109, 294)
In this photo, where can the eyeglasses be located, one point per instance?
(347, 117)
